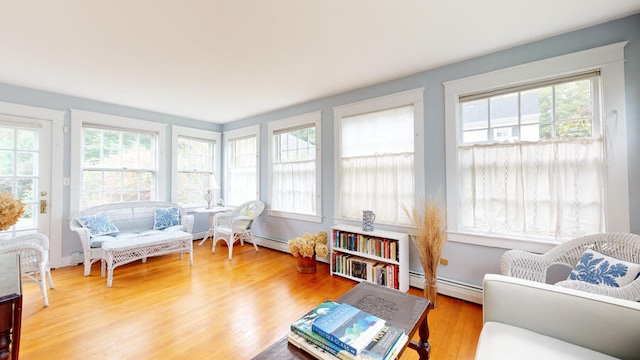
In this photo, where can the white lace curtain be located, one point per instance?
(241, 185)
(381, 183)
(294, 187)
(377, 165)
(549, 188)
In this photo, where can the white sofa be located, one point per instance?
(134, 231)
(524, 319)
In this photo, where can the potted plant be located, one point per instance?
(305, 249)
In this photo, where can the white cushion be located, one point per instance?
(505, 342)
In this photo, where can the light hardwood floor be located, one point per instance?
(217, 309)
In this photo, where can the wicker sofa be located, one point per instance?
(123, 232)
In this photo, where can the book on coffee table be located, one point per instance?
(348, 327)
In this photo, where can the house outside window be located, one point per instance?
(295, 162)
(533, 159)
(379, 157)
(241, 170)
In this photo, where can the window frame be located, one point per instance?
(231, 135)
(413, 97)
(197, 134)
(273, 127)
(80, 117)
(609, 60)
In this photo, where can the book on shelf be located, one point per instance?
(348, 327)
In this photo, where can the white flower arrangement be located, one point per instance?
(308, 245)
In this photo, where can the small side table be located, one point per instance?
(212, 212)
(10, 306)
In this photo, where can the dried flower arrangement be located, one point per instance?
(308, 245)
(10, 210)
(430, 237)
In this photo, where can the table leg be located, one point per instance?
(423, 347)
(6, 317)
(210, 231)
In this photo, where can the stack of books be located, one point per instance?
(340, 331)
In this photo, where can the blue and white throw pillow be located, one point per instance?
(98, 224)
(165, 217)
(600, 269)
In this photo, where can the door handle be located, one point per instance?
(43, 206)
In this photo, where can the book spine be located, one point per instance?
(333, 350)
(335, 340)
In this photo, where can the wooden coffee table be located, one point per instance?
(403, 310)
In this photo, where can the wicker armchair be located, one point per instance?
(236, 225)
(623, 246)
(34, 258)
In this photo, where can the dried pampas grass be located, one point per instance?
(430, 221)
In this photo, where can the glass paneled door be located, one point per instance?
(25, 170)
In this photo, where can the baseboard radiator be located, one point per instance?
(456, 289)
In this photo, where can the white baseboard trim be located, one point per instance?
(449, 287)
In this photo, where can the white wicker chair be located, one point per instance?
(236, 225)
(34, 258)
(623, 246)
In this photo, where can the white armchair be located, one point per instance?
(236, 225)
(34, 258)
(622, 246)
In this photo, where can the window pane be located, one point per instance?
(361, 134)
(241, 170)
(6, 138)
(503, 114)
(27, 139)
(26, 164)
(195, 170)
(475, 120)
(294, 171)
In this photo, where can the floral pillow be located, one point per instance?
(98, 224)
(165, 217)
(600, 269)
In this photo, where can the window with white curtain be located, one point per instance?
(532, 161)
(241, 166)
(376, 157)
(537, 159)
(295, 161)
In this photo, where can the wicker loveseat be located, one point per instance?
(535, 267)
(123, 232)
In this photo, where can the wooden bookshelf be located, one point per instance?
(377, 256)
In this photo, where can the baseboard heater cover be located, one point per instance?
(448, 287)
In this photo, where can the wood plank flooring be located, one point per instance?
(216, 309)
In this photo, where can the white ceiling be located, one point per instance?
(223, 60)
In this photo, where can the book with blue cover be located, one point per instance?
(348, 327)
(303, 328)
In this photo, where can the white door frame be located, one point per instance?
(57, 159)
